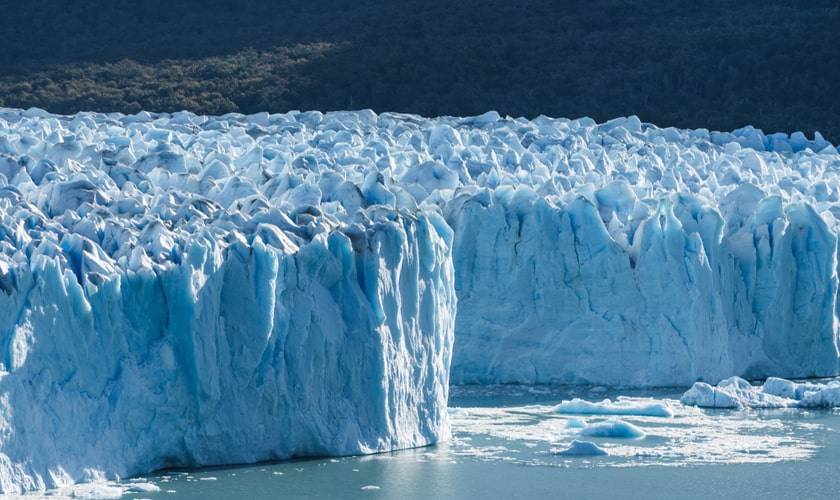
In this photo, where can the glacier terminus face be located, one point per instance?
(183, 290)
(166, 328)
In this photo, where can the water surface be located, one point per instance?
(504, 446)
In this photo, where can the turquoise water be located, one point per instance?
(504, 443)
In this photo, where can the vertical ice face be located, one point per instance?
(548, 295)
(238, 354)
(183, 290)
(575, 306)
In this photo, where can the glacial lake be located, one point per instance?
(505, 442)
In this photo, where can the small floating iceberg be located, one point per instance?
(737, 393)
(581, 449)
(622, 406)
(613, 428)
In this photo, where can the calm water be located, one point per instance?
(502, 446)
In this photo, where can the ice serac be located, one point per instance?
(576, 307)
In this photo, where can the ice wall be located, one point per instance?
(236, 355)
(548, 295)
(143, 328)
(628, 255)
(246, 354)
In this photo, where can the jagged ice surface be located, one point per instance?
(145, 325)
(184, 290)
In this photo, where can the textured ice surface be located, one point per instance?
(619, 254)
(621, 280)
(183, 290)
(162, 306)
(736, 392)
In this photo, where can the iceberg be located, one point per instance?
(613, 428)
(622, 406)
(575, 423)
(737, 393)
(184, 290)
(731, 393)
(580, 449)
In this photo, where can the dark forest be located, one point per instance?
(713, 64)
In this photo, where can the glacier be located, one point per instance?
(152, 320)
(183, 290)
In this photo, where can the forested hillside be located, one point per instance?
(715, 64)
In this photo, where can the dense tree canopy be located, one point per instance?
(716, 64)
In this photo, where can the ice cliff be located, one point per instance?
(171, 315)
(622, 254)
(188, 290)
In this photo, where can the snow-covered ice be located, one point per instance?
(187, 290)
(736, 392)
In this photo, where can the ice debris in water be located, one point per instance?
(144, 487)
(622, 406)
(613, 428)
(736, 392)
(581, 448)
